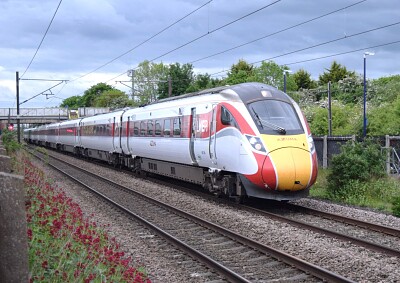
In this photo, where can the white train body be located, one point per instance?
(243, 140)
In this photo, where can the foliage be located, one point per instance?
(10, 142)
(357, 162)
(349, 90)
(303, 80)
(93, 92)
(146, 80)
(203, 81)
(181, 77)
(382, 193)
(346, 120)
(334, 74)
(377, 193)
(384, 90)
(396, 206)
(272, 74)
(113, 98)
(318, 190)
(240, 72)
(72, 102)
(63, 245)
(384, 119)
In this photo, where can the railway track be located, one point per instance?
(382, 239)
(232, 256)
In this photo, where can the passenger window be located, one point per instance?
(158, 128)
(136, 129)
(150, 128)
(143, 128)
(177, 126)
(167, 127)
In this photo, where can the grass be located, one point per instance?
(380, 194)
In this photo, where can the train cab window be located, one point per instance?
(136, 129)
(275, 117)
(157, 131)
(167, 127)
(150, 128)
(143, 128)
(227, 118)
(177, 126)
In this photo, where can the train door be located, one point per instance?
(193, 128)
(115, 133)
(78, 134)
(212, 145)
(127, 136)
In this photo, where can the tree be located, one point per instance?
(181, 78)
(146, 80)
(336, 73)
(272, 74)
(204, 81)
(93, 92)
(303, 80)
(113, 98)
(240, 72)
(73, 102)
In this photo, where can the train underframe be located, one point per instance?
(216, 181)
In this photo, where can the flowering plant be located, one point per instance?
(64, 246)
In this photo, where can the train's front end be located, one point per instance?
(282, 146)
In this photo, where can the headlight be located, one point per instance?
(256, 143)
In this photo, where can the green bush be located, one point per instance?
(396, 206)
(10, 141)
(358, 161)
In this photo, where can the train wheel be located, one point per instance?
(238, 199)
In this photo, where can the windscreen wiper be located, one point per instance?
(273, 126)
(258, 117)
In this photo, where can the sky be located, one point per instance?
(93, 41)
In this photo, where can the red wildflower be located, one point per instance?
(30, 234)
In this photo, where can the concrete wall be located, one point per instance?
(14, 266)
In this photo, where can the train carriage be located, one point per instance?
(52, 135)
(99, 136)
(68, 136)
(242, 140)
(247, 139)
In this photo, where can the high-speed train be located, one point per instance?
(245, 140)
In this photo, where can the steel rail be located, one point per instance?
(222, 270)
(307, 267)
(372, 226)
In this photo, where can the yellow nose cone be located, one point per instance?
(293, 168)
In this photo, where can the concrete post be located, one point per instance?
(388, 151)
(325, 153)
(13, 230)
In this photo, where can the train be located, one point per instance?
(248, 140)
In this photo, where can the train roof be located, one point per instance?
(246, 92)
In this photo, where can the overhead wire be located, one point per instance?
(343, 53)
(40, 44)
(317, 45)
(143, 42)
(205, 34)
(277, 32)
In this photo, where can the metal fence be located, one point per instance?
(327, 147)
